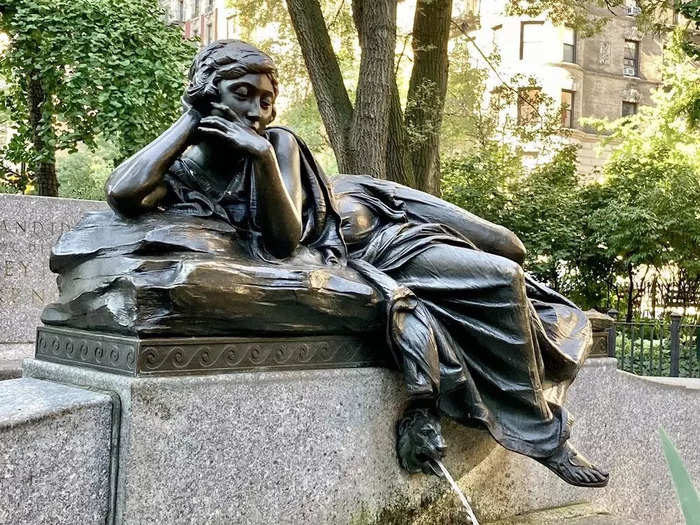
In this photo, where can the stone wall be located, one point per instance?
(29, 226)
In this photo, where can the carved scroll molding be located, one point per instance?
(203, 355)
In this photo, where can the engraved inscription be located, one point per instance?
(29, 227)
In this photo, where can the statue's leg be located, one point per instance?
(479, 302)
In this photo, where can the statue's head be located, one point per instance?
(236, 74)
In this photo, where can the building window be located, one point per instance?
(210, 33)
(196, 8)
(570, 45)
(567, 108)
(630, 67)
(629, 108)
(530, 40)
(496, 34)
(181, 11)
(210, 5)
(230, 26)
(528, 105)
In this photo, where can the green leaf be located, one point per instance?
(687, 495)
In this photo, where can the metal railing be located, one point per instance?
(656, 348)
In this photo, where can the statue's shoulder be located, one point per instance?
(284, 140)
(280, 133)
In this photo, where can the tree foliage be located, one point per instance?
(82, 174)
(642, 213)
(78, 68)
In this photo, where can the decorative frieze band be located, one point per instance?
(134, 356)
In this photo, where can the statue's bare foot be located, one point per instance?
(574, 468)
(420, 441)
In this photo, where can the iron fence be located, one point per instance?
(656, 348)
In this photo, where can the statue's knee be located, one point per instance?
(512, 247)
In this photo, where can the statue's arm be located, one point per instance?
(278, 183)
(277, 176)
(137, 184)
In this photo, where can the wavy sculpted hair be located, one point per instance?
(226, 60)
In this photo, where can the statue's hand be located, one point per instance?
(420, 441)
(232, 130)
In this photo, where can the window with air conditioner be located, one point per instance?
(630, 67)
(631, 8)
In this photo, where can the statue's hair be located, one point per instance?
(226, 60)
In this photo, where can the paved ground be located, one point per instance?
(574, 515)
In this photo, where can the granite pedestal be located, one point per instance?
(55, 453)
(303, 446)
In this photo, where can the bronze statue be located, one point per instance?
(477, 339)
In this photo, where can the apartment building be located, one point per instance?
(208, 20)
(608, 75)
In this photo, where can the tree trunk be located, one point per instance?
(427, 89)
(372, 137)
(399, 166)
(375, 21)
(45, 167)
(326, 77)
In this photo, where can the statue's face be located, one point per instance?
(250, 97)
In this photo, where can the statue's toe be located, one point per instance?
(574, 468)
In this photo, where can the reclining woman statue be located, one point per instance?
(476, 339)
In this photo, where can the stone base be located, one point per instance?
(267, 447)
(11, 357)
(54, 453)
(319, 447)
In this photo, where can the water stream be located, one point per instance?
(459, 492)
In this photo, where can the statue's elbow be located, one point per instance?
(120, 201)
(283, 244)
